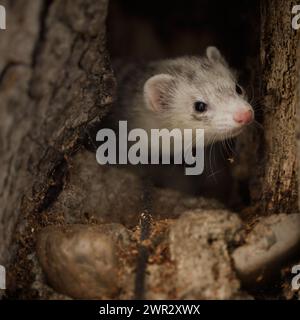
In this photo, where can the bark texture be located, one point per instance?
(16, 47)
(274, 187)
(55, 82)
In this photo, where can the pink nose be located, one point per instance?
(243, 117)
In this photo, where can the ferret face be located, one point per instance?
(200, 94)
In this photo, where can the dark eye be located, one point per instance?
(238, 90)
(200, 106)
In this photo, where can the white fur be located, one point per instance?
(206, 79)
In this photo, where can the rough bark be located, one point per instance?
(298, 122)
(274, 187)
(55, 82)
(17, 45)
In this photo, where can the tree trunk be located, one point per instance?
(55, 81)
(274, 187)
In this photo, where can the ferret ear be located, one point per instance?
(156, 91)
(214, 55)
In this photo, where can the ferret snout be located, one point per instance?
(243, 117)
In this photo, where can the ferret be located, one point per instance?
(187, 93)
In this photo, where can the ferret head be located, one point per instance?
(199, 93)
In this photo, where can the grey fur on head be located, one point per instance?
(163, 94)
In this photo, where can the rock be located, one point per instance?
(159, 282)
(168, 203)
(199, 246)
(81, 261)
(268, 246)
(104, 194)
